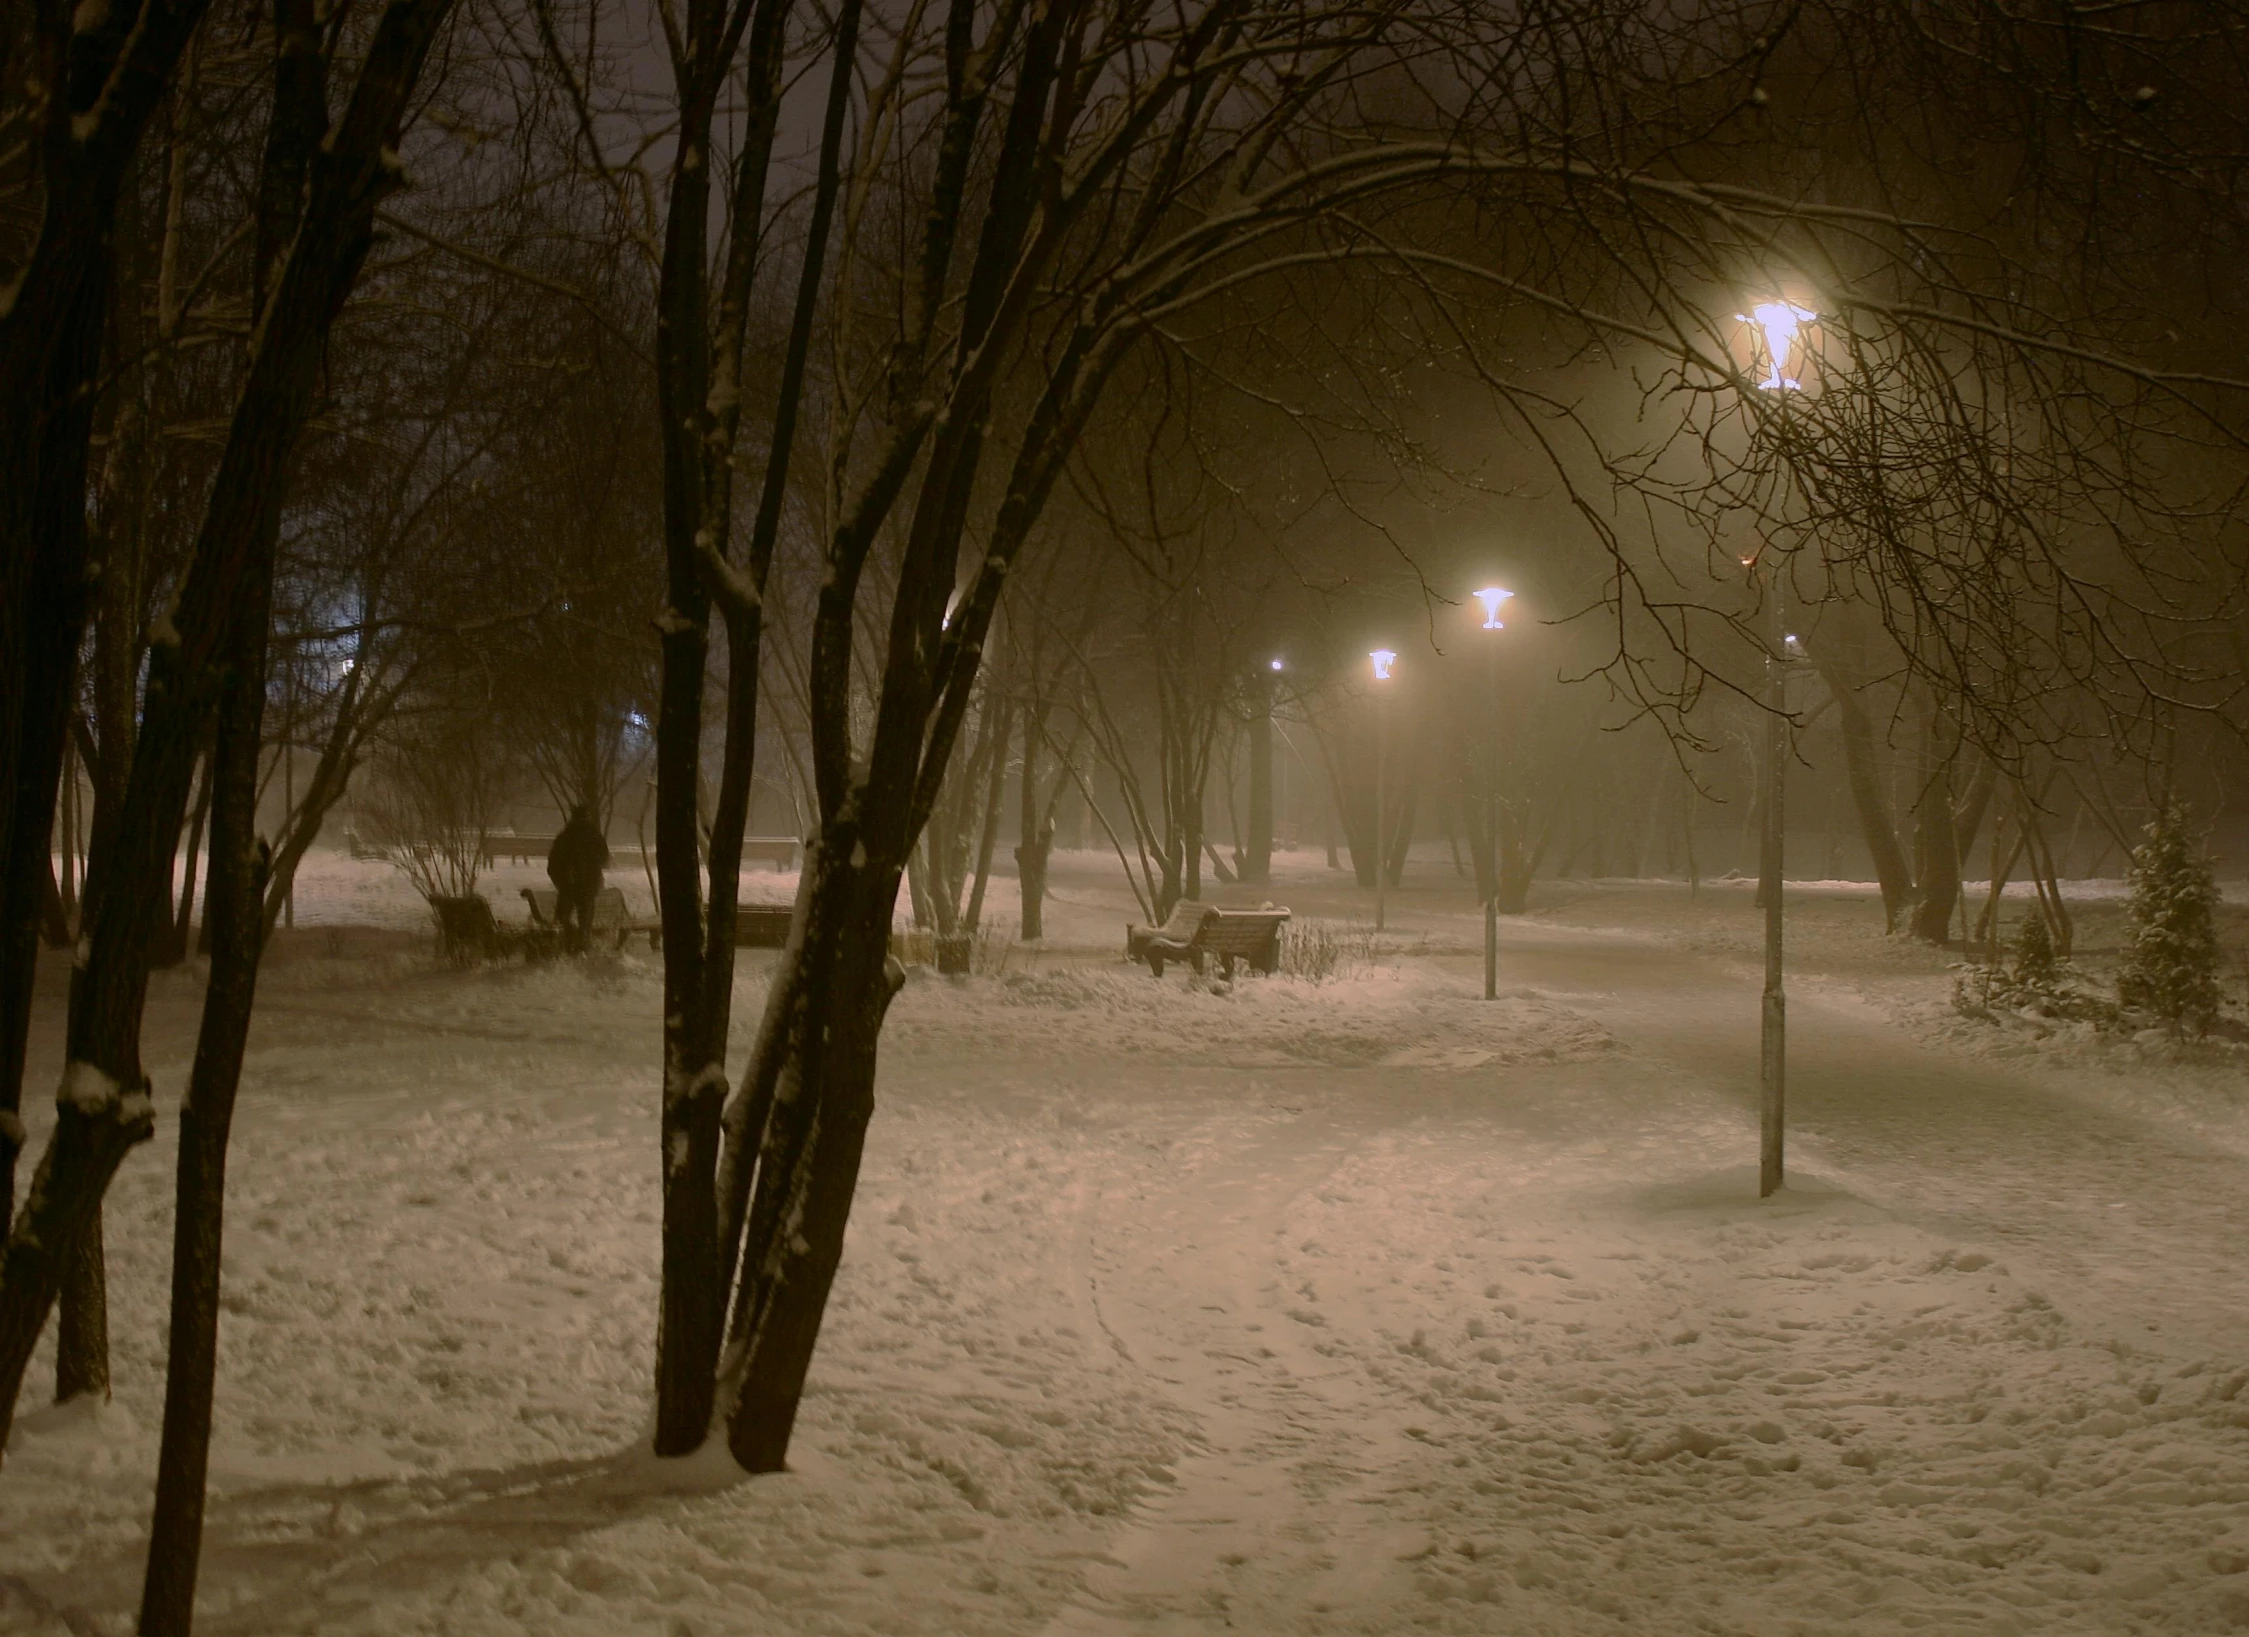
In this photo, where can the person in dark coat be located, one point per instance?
(575, 864)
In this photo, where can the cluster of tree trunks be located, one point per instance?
(206, 675)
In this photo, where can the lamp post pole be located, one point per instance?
(1381, 805)
(1772, 1057)
(1491, 597)
(1491, 833)
(1383, 659)
(1257, 864)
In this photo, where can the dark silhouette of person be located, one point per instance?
(574, 864)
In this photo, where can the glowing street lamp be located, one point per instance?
(1493, 598)
(1383, 660)
(1781, 324)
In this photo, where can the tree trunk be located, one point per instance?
(1352, 808)
(356, 716)
(238, 927)
(1401, 835)
(171, 944)
(107, 69)
(1862, 765)
(700, 329)
(988, 837)
(82, 1324)
(1936, 836)
(1035, 829)
(1030, 868)
(815, 1135)
(1518, 860)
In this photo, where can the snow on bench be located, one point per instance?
(1195, 931)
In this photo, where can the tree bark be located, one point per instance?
(1401, 838)
(1035, 828)
(1936, 836)
(815, 1136)
(1862, 767)
(238, 927)
(82, 1325)
(172, 943)
(988, 837)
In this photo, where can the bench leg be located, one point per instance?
(1226, 967)
(1197, 958)
(1156, 965)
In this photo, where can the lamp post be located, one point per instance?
(1780, 327)
(1257, 865)
(1492, 597)
(1383, 660)
(1772, 1054)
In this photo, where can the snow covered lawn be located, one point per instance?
(1359, 1307)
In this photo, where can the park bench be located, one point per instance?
(1252, 935)
(1196, 932)
(761, 926)
(778, 851)
(610, 921)
(521, 849)
(466, 930)
(1172, 941)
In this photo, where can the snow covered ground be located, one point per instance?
(1363, 1306)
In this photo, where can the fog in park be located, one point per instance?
(1027, 816)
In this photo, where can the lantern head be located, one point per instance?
(1781, 323)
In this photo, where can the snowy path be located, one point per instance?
(1185, 1282)
(1520, 1351)
(2142, 1229)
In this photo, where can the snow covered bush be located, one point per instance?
(2036, 964)
(2170, 961)
(2040, 986)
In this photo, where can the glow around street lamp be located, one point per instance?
(1276, 665)
(1383, 659)
(1782, 325)
(1491, 597)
